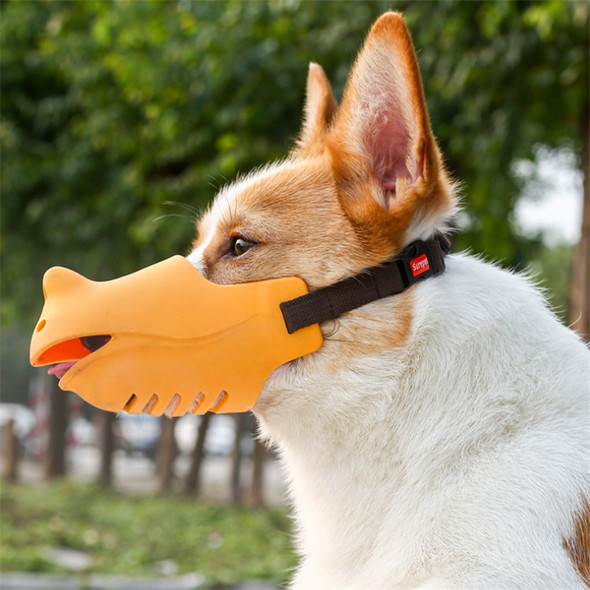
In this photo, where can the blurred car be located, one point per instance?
(138, 433)
(82, 432)
(24, 418)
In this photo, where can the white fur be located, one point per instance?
(456, 461)
(455, 457)
(196, 258)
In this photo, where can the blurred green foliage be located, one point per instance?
(121, 119)
(133, 535)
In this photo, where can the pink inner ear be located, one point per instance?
(389, 148)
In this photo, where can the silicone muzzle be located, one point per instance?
(168, 339)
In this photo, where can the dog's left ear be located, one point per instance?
(384, 156)
(320, 107)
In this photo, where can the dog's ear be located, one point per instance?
(320, 107)
(383, 150)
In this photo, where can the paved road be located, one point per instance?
(96, 582)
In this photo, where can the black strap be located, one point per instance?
(419, 261)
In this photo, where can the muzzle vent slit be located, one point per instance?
(148, 407)
(130, 403)
(196, 403)
(221, 399)
(172, 405)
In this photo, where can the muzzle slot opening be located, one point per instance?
(196, 403)
(218, 403)
(151, 403)
(128, 407)
(172, 404)
(93, 343)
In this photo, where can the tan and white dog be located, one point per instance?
(440, 437)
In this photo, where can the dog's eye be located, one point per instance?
(240, 245)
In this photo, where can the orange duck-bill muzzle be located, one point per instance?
(167, 339)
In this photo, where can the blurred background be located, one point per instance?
(120, 121)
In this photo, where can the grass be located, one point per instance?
(135, 535)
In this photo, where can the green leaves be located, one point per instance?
(112, 109)
(133, 536)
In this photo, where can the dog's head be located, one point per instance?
(364, 180)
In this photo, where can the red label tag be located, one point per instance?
(419, 265)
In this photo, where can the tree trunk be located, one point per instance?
(580, 289)
(166, 455)
(192, 483)
(55, 465)
(107, 447)
(257, 487)
(236, 480)
(9, 442)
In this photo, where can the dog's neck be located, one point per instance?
(326, 430)
(422, 259)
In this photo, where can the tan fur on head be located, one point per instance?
(320, 107)
(385, 161)
(371, 166)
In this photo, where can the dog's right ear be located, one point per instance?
(320, 107)
(386, 164)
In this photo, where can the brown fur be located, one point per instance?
(384, 335)
(579, 546)
(292, 235)
(320, 108)
(330, 174)
(430, 192)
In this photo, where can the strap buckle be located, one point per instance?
(421, 260)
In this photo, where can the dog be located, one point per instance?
(439, 438)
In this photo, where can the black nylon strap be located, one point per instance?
(420, 260)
